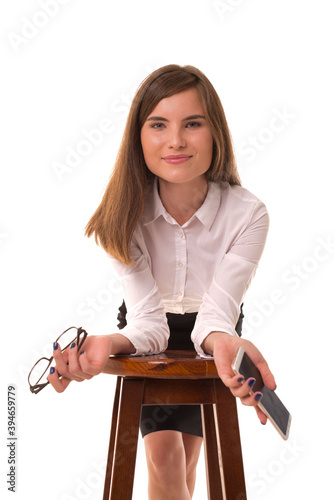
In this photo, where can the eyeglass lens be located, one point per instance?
(41, 370)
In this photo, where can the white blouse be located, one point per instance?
(204, 266)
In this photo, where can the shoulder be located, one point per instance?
(239, 195)
(239, 204)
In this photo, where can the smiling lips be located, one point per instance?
(175, 159)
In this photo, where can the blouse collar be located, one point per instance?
(206, 214)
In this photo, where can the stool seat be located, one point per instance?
(170, 364)
(173, 378)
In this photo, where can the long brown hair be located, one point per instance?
(123, 202)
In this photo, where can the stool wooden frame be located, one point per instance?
(173, 378)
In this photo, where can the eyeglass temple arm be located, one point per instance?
(35, 389)
(81, 331)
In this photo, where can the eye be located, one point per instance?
(193, 124)
(157, 126)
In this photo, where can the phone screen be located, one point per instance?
(270, 403)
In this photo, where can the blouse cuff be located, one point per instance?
(141, 343)
(198, 338)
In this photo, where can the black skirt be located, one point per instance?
(182, 418)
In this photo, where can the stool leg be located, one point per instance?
(229, 443)
(127, 439)
(214, 484)
(110, 458)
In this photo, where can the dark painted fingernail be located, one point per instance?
(72, 345)
(82, 352)
(258, 396)
(52, 370)
(55, 346)
(240, 379)
(251, 382)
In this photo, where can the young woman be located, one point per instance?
(185, 239)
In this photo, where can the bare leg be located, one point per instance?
(171, 461)
(192, 446)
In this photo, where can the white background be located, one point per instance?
(66, 67)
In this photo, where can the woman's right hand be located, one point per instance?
(90, 361)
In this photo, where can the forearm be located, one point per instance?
(119, 344)
(209, 341)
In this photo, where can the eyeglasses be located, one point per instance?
(37, 377)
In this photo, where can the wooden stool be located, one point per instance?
(173, 378)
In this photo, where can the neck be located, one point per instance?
(182, 200)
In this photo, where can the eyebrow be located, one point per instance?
(162, 119)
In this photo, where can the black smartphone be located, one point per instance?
(270, 403)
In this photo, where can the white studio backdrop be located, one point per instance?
(70, 68)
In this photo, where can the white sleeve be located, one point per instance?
(147, 326)
(220, 308)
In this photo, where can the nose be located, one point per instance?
(176, 138)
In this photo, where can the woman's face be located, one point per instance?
(176, 139)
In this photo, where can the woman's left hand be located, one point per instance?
(224, 348)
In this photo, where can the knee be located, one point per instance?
(165, 457)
